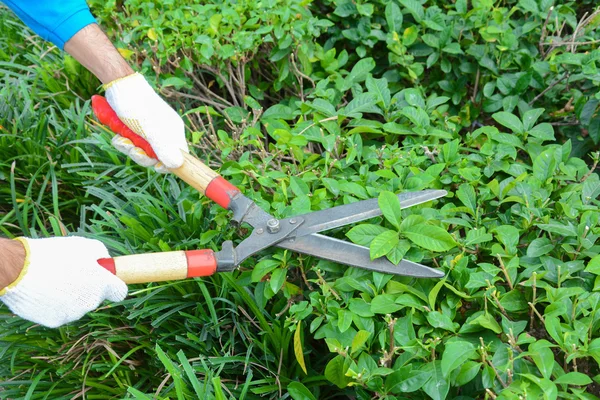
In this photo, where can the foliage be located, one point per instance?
(318, 104)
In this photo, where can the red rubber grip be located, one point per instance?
(109, 264)
(107, 116)
(201, 263)
(221, 192)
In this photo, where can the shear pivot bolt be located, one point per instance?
(273, 225)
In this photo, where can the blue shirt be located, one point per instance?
(56, 21)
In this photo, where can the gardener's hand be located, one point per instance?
(60, 279)
(146, 114)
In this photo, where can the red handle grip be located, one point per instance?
(193, 171)
(107, 116)
(156, 267)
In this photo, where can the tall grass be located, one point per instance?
(59, 175)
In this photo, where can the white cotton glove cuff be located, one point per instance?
(148, 115)
(61, 281)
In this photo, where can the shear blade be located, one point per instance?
(335, 217)
(343, 252)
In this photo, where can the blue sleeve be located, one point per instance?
(53, 20)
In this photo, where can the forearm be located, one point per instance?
(12, 260)
(92, 48)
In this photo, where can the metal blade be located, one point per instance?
(348, 253)
(323, 220)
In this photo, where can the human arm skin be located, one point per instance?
(12, 260)
(92, 48)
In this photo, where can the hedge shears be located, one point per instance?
(299, 233)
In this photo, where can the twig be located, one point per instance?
(487, 361)
(567, 123)
(503, 267)
(173, 93)
(596, 158)
(491, 394)
(497, 301)
(544, 32)
(474, 96)
(565, 75)
(537, 313)
(531, 320)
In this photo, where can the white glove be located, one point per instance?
(61, 281)
(145, 113)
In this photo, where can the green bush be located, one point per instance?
(318, 104)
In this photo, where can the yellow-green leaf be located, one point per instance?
(359, 339)
(152, 34)
(125, 53)
(298, 347)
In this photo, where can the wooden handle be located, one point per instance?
(193, 171)
(158, 267)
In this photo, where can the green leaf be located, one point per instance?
(430, 237)
(363, 103)
(542, 356)
(324, 107)
(538, 247)
(476, 236)
(554, 329)
(415, 8)
(359, 340)
(264, 267)
(360, 71)
(439, 320)
(400, 382)
(335, 372)
(390, 207)
(298, 391)
(530, 117)
(383, 244)
(456, 353)
(344, 320)
(298, 186)
(485, 320)
(365, 233)
(384, 304)
(466, 194)
(468, 372)
(437, 387)
(543, 131)
(453, 48)
(277, 279)
(509, 120)
(379, 87)
(594, 265)
(591, 189)
(514, 301)
(397, 253)
(393, 17)
(298, 351)
(573, 378)
(559, 229)
(434, 293)
(544, 165)
(508, 235)
(414, 98)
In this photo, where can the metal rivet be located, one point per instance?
(259, 231)
(292, 221)
(273, 225)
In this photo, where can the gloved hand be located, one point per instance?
(146, 114)
(61, 281)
